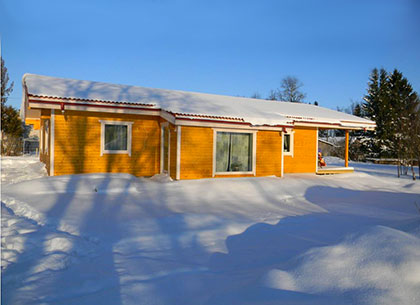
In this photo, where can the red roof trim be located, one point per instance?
(90, 105)
(231, 122)
(89, 100)
(177, 114)
(214, 121)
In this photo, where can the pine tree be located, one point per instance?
(377, 108)
(371, 103)
(5, 90)
(403, 107)
(393, 104)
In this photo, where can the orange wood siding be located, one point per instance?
(304, 154)
(78, 140)
(196, 152)
(268, 153)
(172, 167)
(234, 176)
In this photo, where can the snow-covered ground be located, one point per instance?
(117, 239)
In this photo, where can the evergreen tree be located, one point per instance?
(5, 90)
(377, 108)
(403, 105)
(371, 103)
(393, 104)
(11, 123)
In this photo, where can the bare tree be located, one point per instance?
(256, 95)
(272, 96)
(289, 90)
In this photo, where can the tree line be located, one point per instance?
(393, 104)
(12, 127)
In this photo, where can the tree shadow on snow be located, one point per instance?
(237, 276)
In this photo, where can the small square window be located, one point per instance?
(116, 137)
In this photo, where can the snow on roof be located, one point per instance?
(254, 111)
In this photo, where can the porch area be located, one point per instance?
(332, 170)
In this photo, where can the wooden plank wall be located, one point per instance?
(78, 140)
(268, 153)
(304, 155)
(77, 148)
(196, 152)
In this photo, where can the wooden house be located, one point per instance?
(92, 127)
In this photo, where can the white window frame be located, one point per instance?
(254, 151)
(291, 133)
(129, 135)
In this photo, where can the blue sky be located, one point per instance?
(221, 47)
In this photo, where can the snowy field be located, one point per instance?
(117, 239)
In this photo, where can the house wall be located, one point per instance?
(78, 144)
(196, 152)
(78, 140)
(269, 148)
(304, 151)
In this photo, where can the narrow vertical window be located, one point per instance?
(288, 143)
(47, 136)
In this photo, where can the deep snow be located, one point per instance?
(117, 239)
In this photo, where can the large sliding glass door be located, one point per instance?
(234, 152)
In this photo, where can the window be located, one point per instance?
(234, 152)
(115, 137)
(46, 136)
(288, 144)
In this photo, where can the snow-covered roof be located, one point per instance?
(254, 111)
